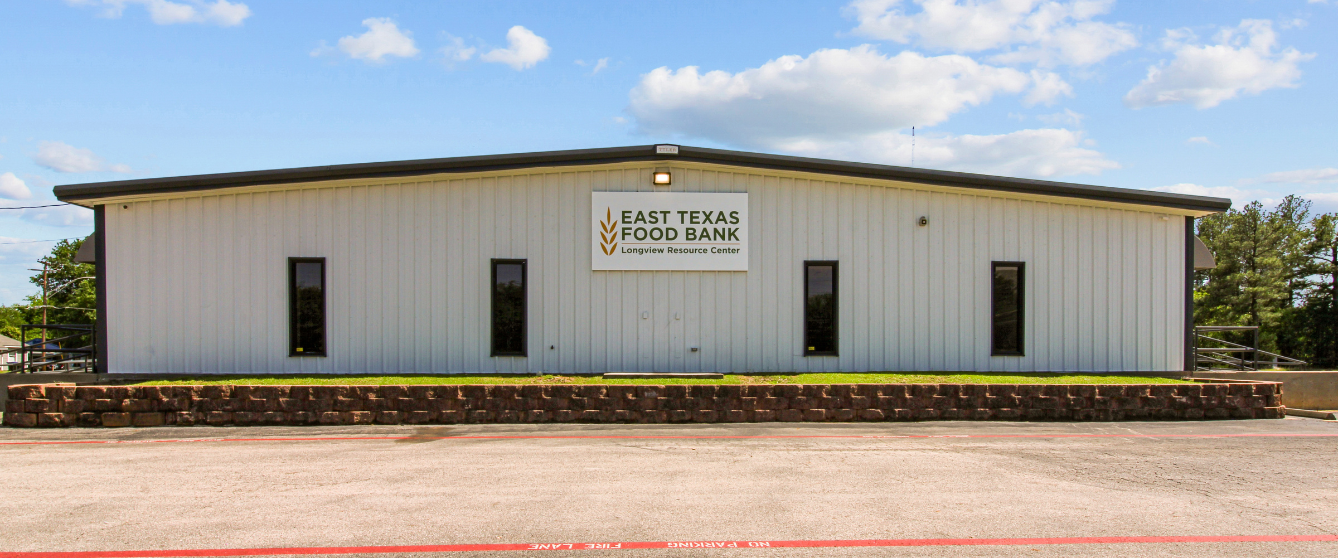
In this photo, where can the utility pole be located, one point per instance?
(44, 270)
(45, 303)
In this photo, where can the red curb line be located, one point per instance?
(687, 437)
(666, 545)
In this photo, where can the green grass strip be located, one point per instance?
(731, 379)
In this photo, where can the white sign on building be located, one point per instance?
(669, 231)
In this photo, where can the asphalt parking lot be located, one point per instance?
(1229, 488)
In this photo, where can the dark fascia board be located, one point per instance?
(84, 193)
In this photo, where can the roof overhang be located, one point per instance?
(89, 194)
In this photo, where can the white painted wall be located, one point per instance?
(197, 284)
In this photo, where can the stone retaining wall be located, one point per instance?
(54, 406)
(1305, 389)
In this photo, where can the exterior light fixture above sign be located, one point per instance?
(660, 178)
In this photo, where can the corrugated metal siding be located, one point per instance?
(198, 284)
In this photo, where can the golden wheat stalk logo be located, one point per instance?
(608, 234)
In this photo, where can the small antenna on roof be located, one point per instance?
(912, 146)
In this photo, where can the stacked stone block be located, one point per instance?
(112, 406)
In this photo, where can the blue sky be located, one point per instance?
(1220, 98)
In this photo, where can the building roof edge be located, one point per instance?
(88, 192)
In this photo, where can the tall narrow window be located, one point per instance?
(508, 308)
(820, 308)
(306, 306)
(1008, 304)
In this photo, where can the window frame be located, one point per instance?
(524, 307)
(836, 307)
(1021, 307)
(292, 310)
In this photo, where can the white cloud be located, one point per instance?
(1203, 140)
(858, 104)
(383, 38)
(63, 157)
(22, 251)
(1304, 176)
(163, 12)
(38, 181)
(524, 49)
(228, 14)
(1295, 23)
(456, 51)
(1326, 202)
(17, 256)
(170, 13)
(1047, 88)
(59, 216)
(832, 93)
(1041, 153)
(13, 188)
(600, 65)
(1243, 60)
(1048, 33)
(1235, 194)
(1066, 118)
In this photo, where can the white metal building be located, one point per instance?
(525, 263)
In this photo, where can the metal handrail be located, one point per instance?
(1279, 360)
(1220, 355)
(1224, 341)
(40, 356)
(1238, 348)
(1203, 358)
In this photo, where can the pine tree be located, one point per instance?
(1320, 310)
(1291, 222)
(1258, 267)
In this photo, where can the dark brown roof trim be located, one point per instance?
(92, 191)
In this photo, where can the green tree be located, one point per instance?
(1260, 268)
(11, 317)
(1293, 225)
(1319, 314)
(71, 294)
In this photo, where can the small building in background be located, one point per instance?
(10, 352)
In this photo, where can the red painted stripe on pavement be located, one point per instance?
(665, 545)
(651, 437)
